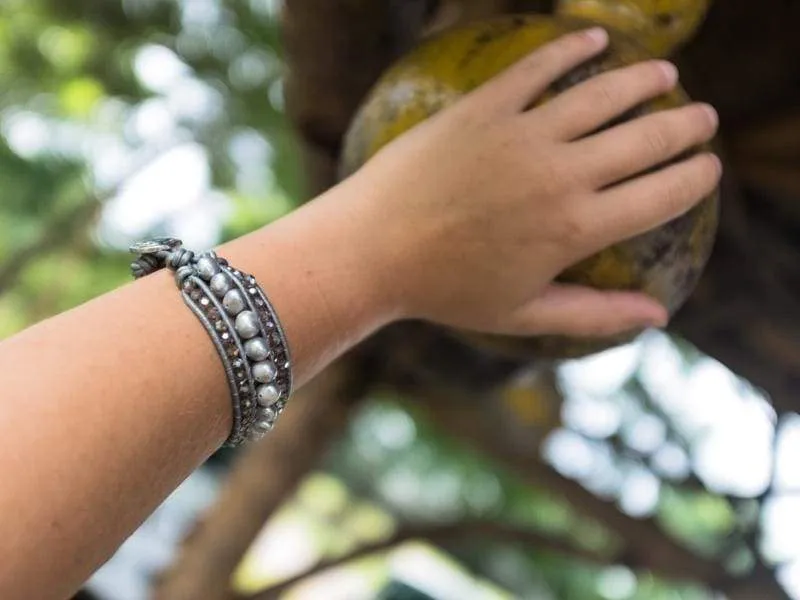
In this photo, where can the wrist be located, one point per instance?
(355, 230)
(326, 273)
(392, 248)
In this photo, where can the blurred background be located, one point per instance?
(649, 472)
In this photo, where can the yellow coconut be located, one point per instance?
(665, 263)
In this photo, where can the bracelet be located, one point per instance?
(242, 324)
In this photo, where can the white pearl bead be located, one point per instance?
(220, 284)
(264, 372)
(247, 324)
(207, 268)
(268, 395)
(256, 349)
(233, 302)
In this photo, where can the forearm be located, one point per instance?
(105, 409)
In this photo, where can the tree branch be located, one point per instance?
(63, 227)
(56, 232)
(760, 583)
(442, 535)
(648, 547)
(263, 476)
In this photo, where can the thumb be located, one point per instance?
(586, 312)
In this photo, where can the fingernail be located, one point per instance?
(669, 70)
(598, 35)
(713, 117)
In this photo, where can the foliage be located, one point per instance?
(95, 94)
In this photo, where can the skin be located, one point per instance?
(108, 407)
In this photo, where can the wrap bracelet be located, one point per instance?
(242, 324)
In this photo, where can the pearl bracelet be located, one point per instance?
(242, 325)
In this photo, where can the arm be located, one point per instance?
(106, 408)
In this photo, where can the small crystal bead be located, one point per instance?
(255, 435)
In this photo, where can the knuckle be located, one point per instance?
(543, 60)
(603, 93)
(571, 229)
(657, 139)
(534, 62)
(561, 51)
(552, 175)
(511, 141)
(684, 188)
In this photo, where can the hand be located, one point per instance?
(481, 206)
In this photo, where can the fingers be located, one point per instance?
(589, 105)
(647, 202)
(515, 88)
(635, 146)
(586, 312)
